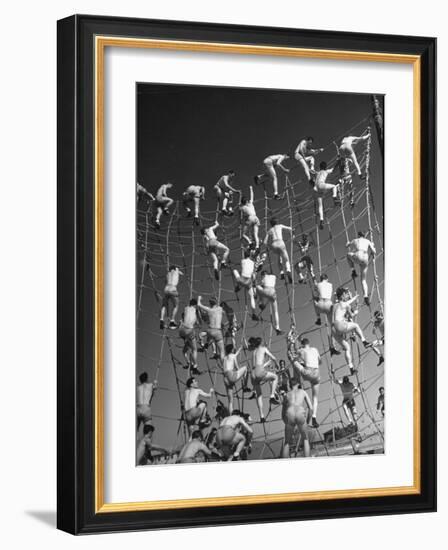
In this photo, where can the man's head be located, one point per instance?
(324, 277)
(212, 302)
(193, 302)
(345, 380)
(378, 315)
(148, 429)
(282, 363)
(230, 348)
(381, 390)
(172, 267)
(309, 140)
(254, 342)
(224, 305)
(244, 200)
(231, 173)
(191, 382)
(202, 231)
(323, 165)
(294, 382)
(305, 342)
(169, 184)
(247, 253)
(341, 293)
(273, 222)
(305, 239)
(286, 156)
(143, 377)
(263, 273)
(361, 234)
(196, 435)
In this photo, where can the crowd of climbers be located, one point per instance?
(231, 440)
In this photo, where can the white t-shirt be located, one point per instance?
(310, 357)
(247, 267)
(325, 290)
(269, 281)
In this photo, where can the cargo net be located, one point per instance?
(178, 241)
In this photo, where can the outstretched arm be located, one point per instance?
(251, 194)
(286, 170)
(201, 305)
(203, 394)
(214, 226)
(372, 248)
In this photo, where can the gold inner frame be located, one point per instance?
(101, 42)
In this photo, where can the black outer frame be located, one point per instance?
(75, 403)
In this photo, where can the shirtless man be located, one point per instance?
(195, 408)
(224, 191)
(188, 335)
(170, 295)
(380, 406)
(145, 393)
(233, 435)
(194, 450)
(249, 220)
(304, 155)
(346, 150)
(270, 163)
(305, 264)
(342, 328)
(349, 390)
(232, 372)
(214, 247)
(266, 294)
(361, 251)
(246, 279)
(193, 194)
(274, 239)
(378, 324)
(260, 374)
(145, 446)
(323, 304)
(143, 192)
(214, 331)
(163, 202)
(295, 417)
(307, 365)
(321, 187)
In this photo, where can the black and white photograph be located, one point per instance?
(259, 274)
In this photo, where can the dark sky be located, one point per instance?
(192, 135)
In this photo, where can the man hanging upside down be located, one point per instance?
(224, 192)
(321, 187)
(305, 265)
(188, 335)
(232, 372)
(249, 220)
(304, 155)
(170, 295)
(361, 251)
(145, 393)
(378, 324)
(270, 163)
(193, 194)
(274, 240)
(195, 408)
(246, 279)
(266, 294)
(214, 331)
(233, 435)
(194, 451)
(294, 417)
(346, 150)
(342, 328)
(307, 365)
(260, 374)
(162, 202)
(349, 390)
(214, 247)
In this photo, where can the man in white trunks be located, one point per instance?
(170, 296)
(307, 365)
(194, 451)
(274, 240)
(304, 155)
(346, 150)
(295, 416)
(342, 328)
(195, 408)
(163, 202)
(188, 335)
(260, 374)
(214, 248)
(266, 294)
(214, 330)
(378, 325)
(305, 265)
(145, 446)
(360, 252)
(323, 304)
(224, 192)
(145, 393)
(249, 220)
(143, 192)
(233, 435)
(349, 390)
(270, 163)
(321, 187)
(232, 372)
(193, 194)
(245, 280)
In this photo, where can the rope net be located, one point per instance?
(179, 242)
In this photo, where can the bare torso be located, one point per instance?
(144, 393)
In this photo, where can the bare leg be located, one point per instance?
(225, 200)
(306, 442)
(305, 167)
(194, 352)
(159, 213)
(256, 239)
(259, 393)
(196, 207)
(175, 309)
(315, 395)
(276, 317)
(348, 413)
(224, 251)
(214, 258)
(355, 162)
(250, 291)
(347, 353)
(274, 379)
(289, 432)
(240, 441)
(364, 281)
(220, 349)
(245, 232)
(285, 259)
(230, 398)
(271, 171)
(320, 205)
(357, 329)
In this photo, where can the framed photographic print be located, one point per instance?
(246, 269)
